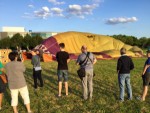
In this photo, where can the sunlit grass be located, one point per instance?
(105, 97)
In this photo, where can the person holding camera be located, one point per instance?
(86, 60)
(16, 82)
(37, 70)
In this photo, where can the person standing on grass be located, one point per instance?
(62, 58)
(16, 82)
(35, 61)
(2, 85)
(146, 77)
(124, 65)
(88, 60)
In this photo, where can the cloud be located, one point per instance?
(55, 2)
(27, 15)
(119, 20)
(75, 10)
(97, 1)
(57, 11)
(43, 13)
(31, 6)
(81, 11)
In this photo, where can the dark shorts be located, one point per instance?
(146, 79)
(2, 86)
(62, 74)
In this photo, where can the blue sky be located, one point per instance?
(106, 17)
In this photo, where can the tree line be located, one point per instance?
(26, 42)
(30, 42)
(142, 42)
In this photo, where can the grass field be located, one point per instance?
(105, 97)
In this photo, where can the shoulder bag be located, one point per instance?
(81, 71)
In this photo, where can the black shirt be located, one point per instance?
(124, 65)
(62, 57)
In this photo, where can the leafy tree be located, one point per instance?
(36, 40)
(5, 43)
(16, 40)
(147, 44)
(26, 41)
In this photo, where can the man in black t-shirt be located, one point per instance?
(62, 58)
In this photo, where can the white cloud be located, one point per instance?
(76, 10)
(27, 15)
(31, 6)
(46, 9)
(45, 12)
(97, 1)
(57, 11)
(42, 13)
(119, 20)
(81, 11)
(55, 2)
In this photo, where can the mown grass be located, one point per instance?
(105, 97)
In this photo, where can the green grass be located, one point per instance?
(105, 96)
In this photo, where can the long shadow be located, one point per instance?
(53, 79)
(106, 88)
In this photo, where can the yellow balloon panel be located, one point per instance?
(94, 43)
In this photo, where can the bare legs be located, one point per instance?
(145, 89)
(60, 88)
(15, 109)
(1, 98)
(66, 87)
(27, 106)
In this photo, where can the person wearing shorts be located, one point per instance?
(146, 77)
(16, 82)
(62, 58)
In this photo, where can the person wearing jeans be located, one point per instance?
(125, 79)
(124, 65)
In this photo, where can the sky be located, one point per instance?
(105, 17)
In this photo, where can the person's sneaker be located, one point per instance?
(30, 112)
(90, 99)
(121, 101)
(139, 98)
(0, 108)
(129, 98)
(36, 89)
(59, 96)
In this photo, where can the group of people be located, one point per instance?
(86, 60)
(17, 84)
(124, 65)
